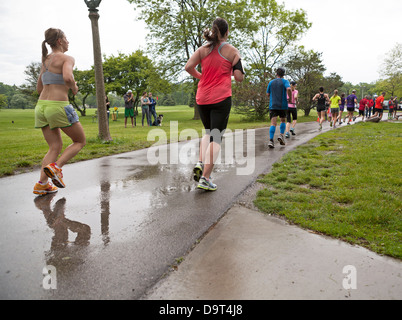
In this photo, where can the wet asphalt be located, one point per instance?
(124, 221)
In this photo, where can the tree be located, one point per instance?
(32, 72)
(272, 30)
(20, 101)
(250, 99)
(306, 68)
(176, 29)
(135, 71)
(86, 83)
(392, 71)
(332, 82)
(3, 101)
(393, 62)
(8, 91)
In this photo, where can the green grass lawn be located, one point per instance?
(23, 146)
(345, 183)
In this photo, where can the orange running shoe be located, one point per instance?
(55, 174)
(44, 189)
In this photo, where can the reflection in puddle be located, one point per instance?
(63, 253)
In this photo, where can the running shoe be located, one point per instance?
(281, 139)
(271, 144)
(54, 173)
(320, 127)
(198, 169)
(287, 135)
(43, 189)
(292, 131)
(206, 184)
(330, 123)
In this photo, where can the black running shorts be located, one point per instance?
(215, 118)
(291, 113)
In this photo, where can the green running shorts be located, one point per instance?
(55, 114)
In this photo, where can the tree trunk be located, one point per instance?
(99, 80)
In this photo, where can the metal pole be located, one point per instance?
(99, 79)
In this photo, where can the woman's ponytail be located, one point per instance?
(219, 28)
(44, 51)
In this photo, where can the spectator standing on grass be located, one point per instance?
(395, 106)
(129, 108)
(107, 108)
(145, 108)
(390, 107)
(219, 61)
(152, 111)
(54, 113)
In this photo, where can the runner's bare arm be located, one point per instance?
(192, 63)
(68, 75)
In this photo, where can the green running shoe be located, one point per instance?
(198, 170)
(206, 184)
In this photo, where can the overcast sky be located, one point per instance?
(353, 35)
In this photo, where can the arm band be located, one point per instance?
(238, 66)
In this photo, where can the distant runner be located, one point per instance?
(292, 110)
(321, 98)
(278, 92)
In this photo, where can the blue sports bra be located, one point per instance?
(51, 77)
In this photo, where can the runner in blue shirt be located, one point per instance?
(278, 92)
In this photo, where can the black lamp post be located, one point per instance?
(99, 80)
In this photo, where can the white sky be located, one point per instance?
(353, 35)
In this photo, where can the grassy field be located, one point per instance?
(23, 146)
(344, 183)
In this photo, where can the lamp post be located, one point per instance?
(99, 80)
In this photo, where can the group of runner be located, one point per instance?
(219, 61)
(366, 106)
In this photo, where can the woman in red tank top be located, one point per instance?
(219, 61)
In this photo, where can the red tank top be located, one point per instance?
(216, 80)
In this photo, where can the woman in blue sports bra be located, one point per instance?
(53, 112)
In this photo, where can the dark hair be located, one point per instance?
(321, 89)
(280, 71)
(219, 27)
(293, 83)
(51, 37)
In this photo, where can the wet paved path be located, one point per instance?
(122, 222)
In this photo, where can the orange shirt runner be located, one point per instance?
(378, 102)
